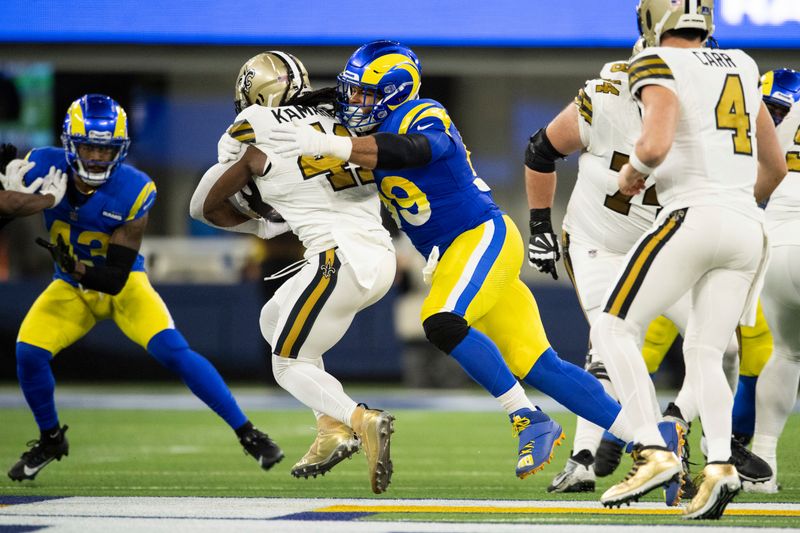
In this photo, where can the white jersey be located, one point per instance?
(786, 198)
(609, 121)
(327, 202)
(713, 157)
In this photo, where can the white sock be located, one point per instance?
(714, 398)
(686, 402)
(776, 394)
(615, 340)
(514, 399)
(313, 387)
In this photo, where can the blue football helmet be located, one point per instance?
(780, 90)
(387, 73)
(95, 120)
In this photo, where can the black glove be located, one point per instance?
(252, 196)
(543, 245)
(60, 252)
(8, 152)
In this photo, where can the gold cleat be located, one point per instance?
(375, 427)
(334, 443)
(652, 467)
(716, 487)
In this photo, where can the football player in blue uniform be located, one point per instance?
(478, 310)
(95, 233)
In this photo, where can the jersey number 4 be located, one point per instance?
(732, 115)
(621, 203)
(341, 174)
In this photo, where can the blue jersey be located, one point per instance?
(436, 203)
(127, 195)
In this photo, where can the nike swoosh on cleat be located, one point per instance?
(32, 471)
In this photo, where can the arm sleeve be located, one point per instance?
(650, 69)
(111, 277)
(402, 151)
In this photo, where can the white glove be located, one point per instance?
(228, 149)
(55, 183)
(268, 229)
(430, 266)
(296, 140)
(14, 178)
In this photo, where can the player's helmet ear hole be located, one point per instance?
(648, 20)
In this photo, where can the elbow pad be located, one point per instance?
(540, 155)
(111, 277)
(396, 151)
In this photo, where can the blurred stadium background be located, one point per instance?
(502, 68)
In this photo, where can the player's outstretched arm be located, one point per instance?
(19, 204)
(771, 159)
(392, 151)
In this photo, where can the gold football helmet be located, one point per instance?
(657, 16)
(270, 79)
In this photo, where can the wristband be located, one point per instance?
(638, 166)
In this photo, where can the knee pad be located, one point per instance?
(598, 370)
(166, 344)
(30, 357)
(445, 330)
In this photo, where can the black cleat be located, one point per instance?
(260, 446)
(750, 467)
(608, 457)
(40, 455)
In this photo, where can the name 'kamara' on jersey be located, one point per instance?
(289, 113)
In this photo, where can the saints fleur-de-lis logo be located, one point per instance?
(328, 270)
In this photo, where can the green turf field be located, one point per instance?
(436, 455)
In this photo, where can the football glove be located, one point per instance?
(14, 177)
(55, 183)
(268, 229)
(60, 253)
(228, 149)
(297, 140)
(543, 249)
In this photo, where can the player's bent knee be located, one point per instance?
(445, 330)
(268, 320)
(30, 357)
(166, 345)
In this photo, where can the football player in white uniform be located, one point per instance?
(600, 226)
(708, 142)
(349, 264)
(776, 391)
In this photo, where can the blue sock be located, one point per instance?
(171, 350)
(38, 384)
(574, 388)
(744, 406)
(480, 358)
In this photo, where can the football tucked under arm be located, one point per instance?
(233, 212)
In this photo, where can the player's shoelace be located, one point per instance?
(638, 461)
(519, 424)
